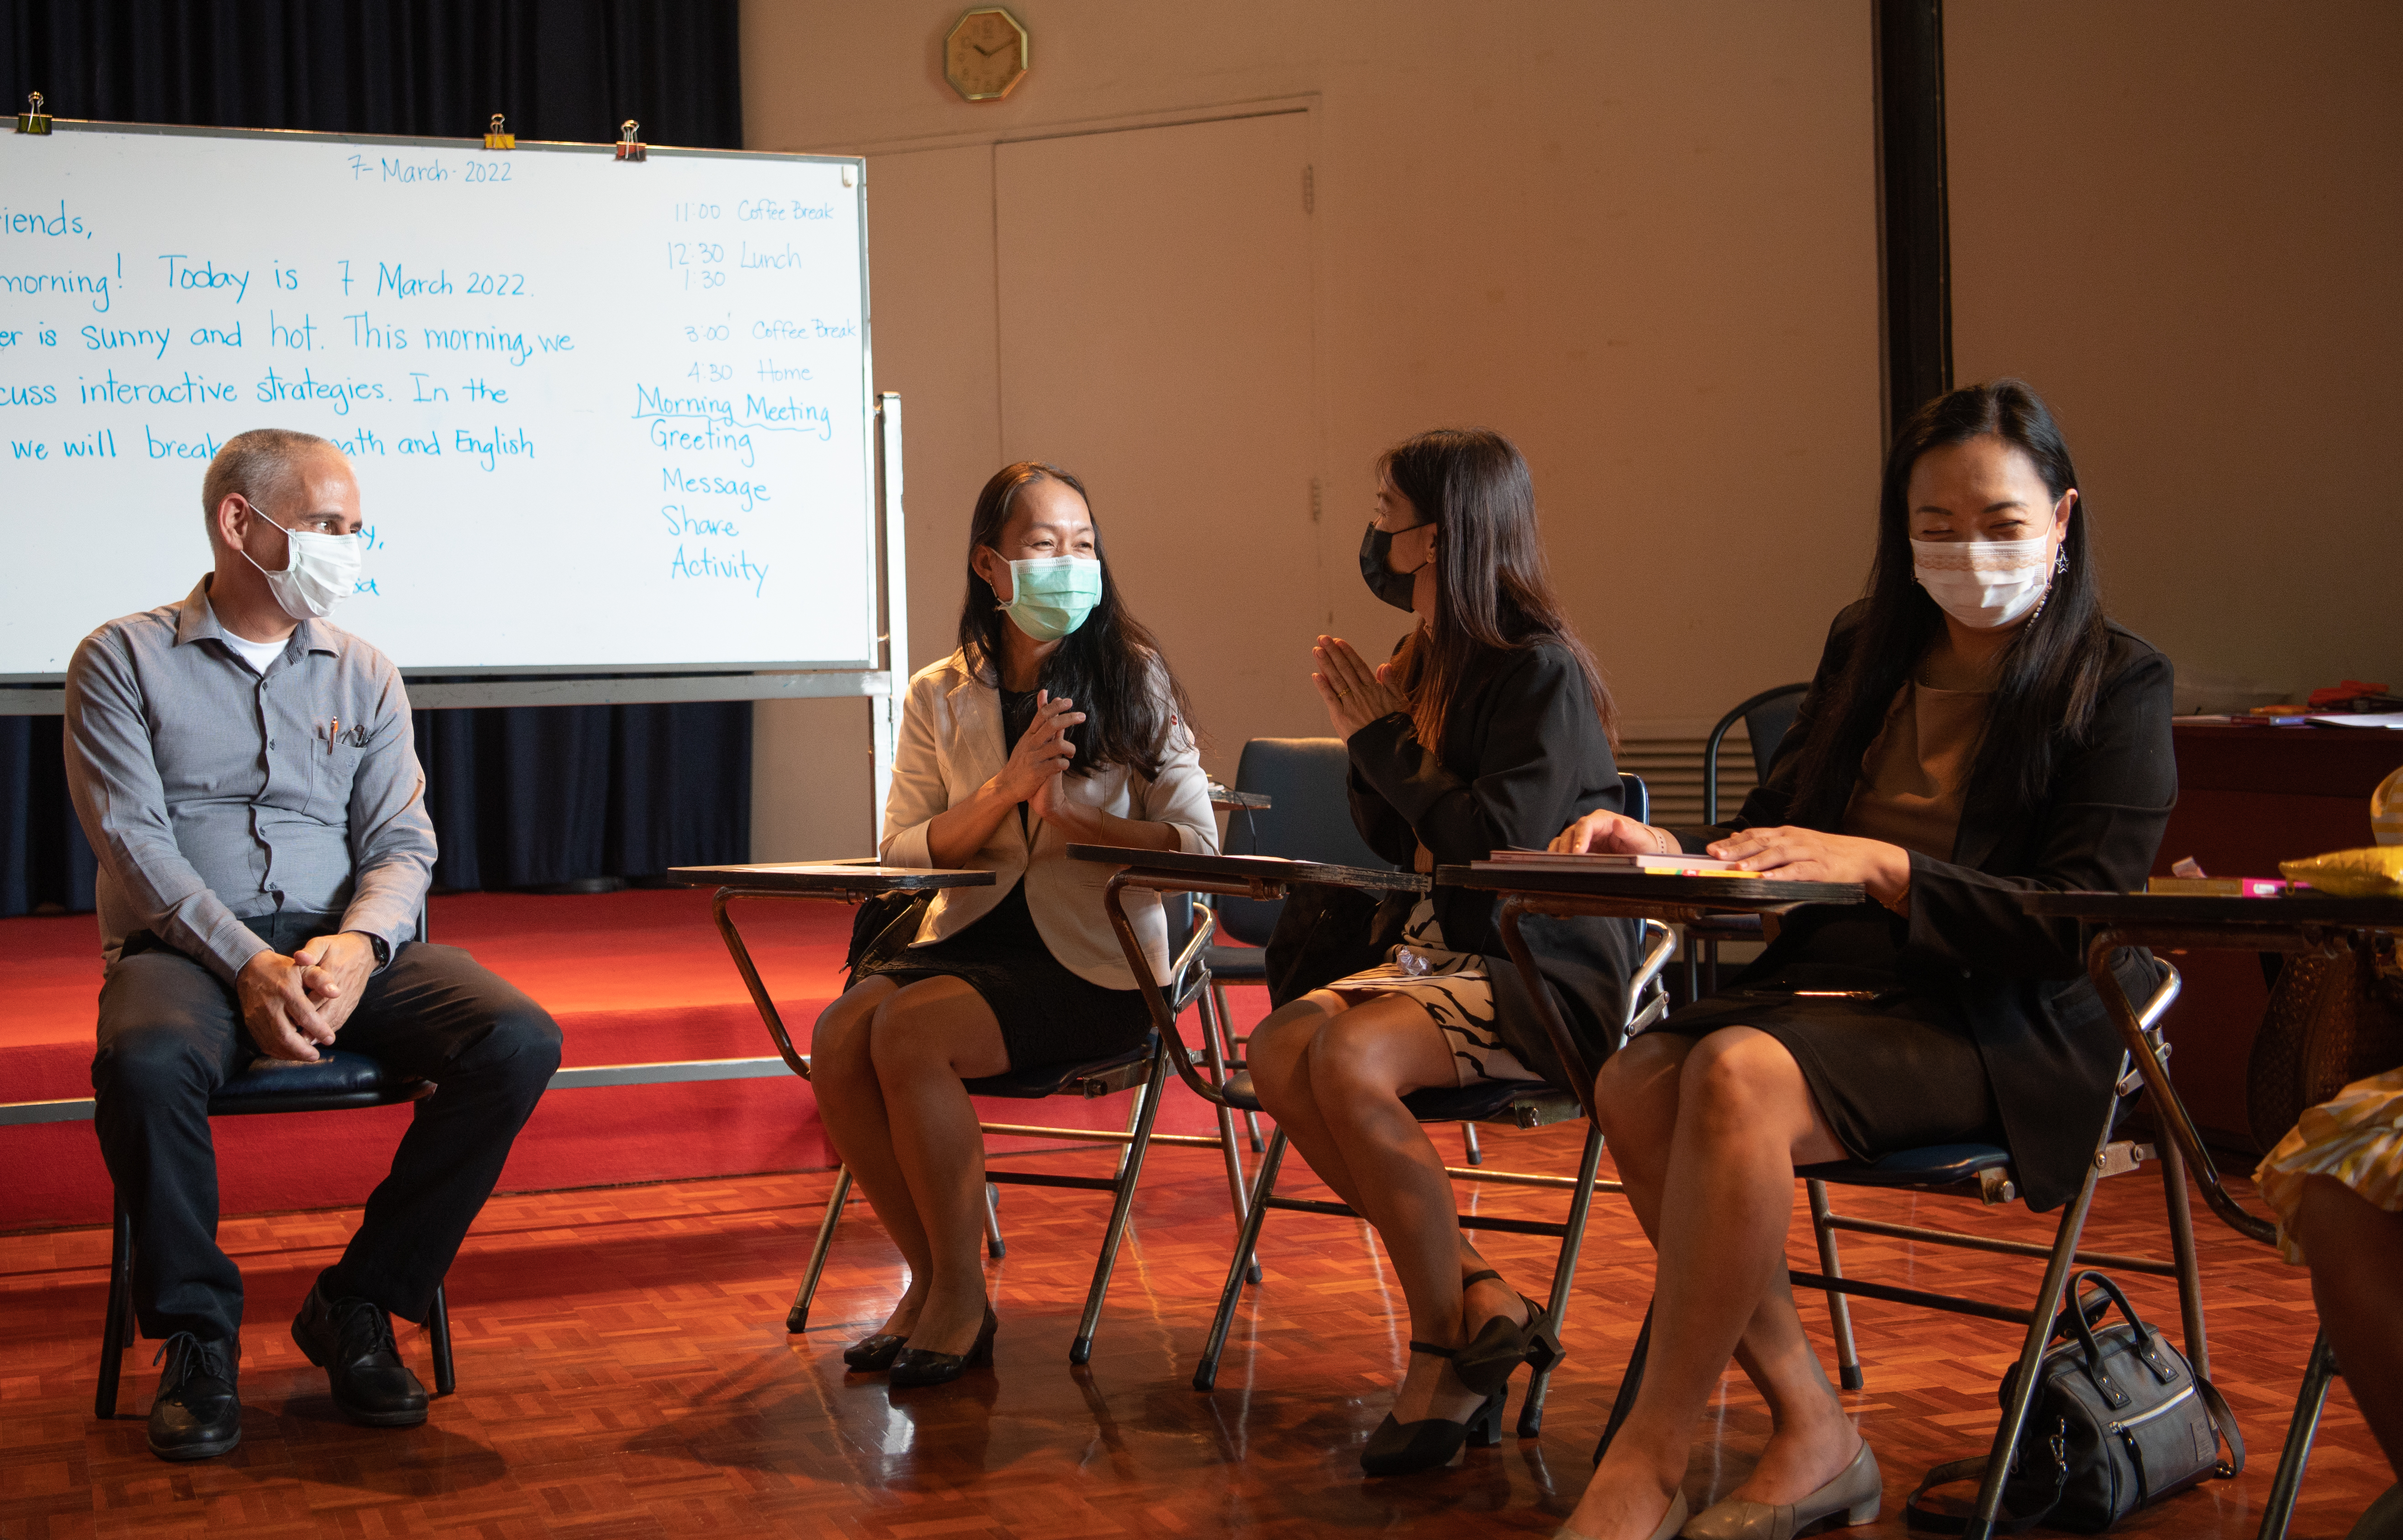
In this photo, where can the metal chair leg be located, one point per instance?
(1130, 1170)
(1630, 1380)
(117, 1329)
(1215, 1049)
(1229, 1042)
(2189, 1268)
(1468, 1137)
(1839, 1311)
(2278, 1509)
(437, 1328)
(995, 1246)
(1539, 1378)
(2039, 1332)
(1263, 1188)
(797, 1318)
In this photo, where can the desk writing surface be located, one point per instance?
(1245, 869)
(1731, 893)
(827, 877)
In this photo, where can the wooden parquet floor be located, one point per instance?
(624, 1371)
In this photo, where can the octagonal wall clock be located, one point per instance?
(984, 57)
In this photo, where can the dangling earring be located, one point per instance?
(2060, 565)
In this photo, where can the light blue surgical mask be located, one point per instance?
(1050, 596)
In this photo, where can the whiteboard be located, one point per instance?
(605, 415)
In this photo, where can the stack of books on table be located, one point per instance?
(1654, 865)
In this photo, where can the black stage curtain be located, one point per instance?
(521, 798)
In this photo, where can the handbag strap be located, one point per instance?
(2225, 1420)
(1918, 1516)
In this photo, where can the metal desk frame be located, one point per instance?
(2176, 922)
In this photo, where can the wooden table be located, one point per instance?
(2249, 798)
(2181, 922)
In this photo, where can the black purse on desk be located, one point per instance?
(2119, 1421)
(1327, 932)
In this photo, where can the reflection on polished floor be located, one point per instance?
(624, 1371)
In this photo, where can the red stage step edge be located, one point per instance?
(631, 977)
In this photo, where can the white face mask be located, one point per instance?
(1985, 584)
(321, 571)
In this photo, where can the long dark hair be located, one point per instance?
(2048, 676)
(1110, 666)
(1493, 590)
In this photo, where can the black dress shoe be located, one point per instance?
(875, 1355)
(351, 1340)
(197, 1414)
(918, 1367)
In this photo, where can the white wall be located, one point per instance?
(2182, 220)
(1639, 239)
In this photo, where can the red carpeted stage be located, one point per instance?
(632, 978)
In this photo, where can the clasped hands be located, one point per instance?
(1038, 764)
(1780, 853)
(1355, 693)
(295, 1006)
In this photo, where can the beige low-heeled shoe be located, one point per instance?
(1852, 1498)
(1672, 1523)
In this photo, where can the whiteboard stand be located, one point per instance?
(892, 585)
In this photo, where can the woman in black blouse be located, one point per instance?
(1978, 729)
(1491, 726)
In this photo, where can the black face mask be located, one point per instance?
(1377, 568)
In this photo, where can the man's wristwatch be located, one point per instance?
(382, 947)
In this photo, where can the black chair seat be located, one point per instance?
(1935, 1165)
(336, 1081)
(1485, 1100)
(1438, 1104)
(1041, 1080)
(1237, 965)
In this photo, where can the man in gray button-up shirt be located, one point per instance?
(247, 773)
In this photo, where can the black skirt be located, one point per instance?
(1047, 1015)
(1891, 1064)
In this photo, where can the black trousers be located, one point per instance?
(170, 1032)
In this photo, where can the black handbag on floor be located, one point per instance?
(2119, 1421)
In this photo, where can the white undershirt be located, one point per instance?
(257, 654)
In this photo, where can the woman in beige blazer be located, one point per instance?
(1057, 722)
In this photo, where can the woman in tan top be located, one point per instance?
(1977, 729)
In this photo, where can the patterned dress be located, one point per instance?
(1454, 991)
(2357, 1137)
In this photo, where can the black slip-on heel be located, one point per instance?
(1401, 1449)
(919, 1366)
(875, 1355)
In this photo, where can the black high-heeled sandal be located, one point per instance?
(920, 1366)
(1501, 1344)
(875, 1355)
(1400, 1448)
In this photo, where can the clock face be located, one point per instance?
(984, 57)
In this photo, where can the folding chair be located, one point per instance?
(1309, 818)
(1518, 1105)
(1766, 717)
(336, 1082)
(1983, 1172)
(1144, 1068)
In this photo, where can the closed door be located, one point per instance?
(1154, 325)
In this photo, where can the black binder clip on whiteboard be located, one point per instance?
(33, 120)
(498, 135)
(629, 147)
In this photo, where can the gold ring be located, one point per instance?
(1340, 695)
